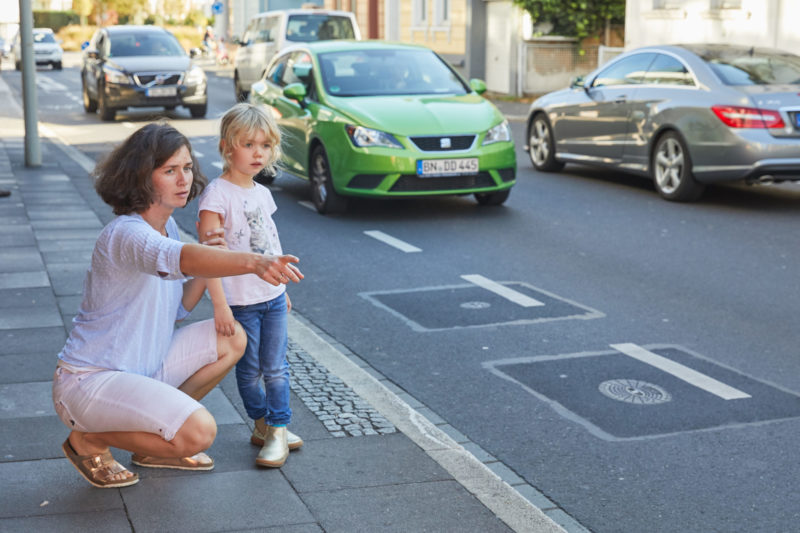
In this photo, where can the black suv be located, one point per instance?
(140, 66)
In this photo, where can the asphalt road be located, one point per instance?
(633, 359)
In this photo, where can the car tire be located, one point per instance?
(57, 65)
(323, 194)
(89, 105)
(542, 146)
(492, 198)
(265, 177)
(107, 113)
(198, 111)
(671, 169)
(17, 65)
(239, 94)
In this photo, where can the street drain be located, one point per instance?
(475, 305)
(634, 391)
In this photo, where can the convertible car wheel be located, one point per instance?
(672, 170)
(541, 146)
(324, 196)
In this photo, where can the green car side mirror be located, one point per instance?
(295, 91)
(479, 86)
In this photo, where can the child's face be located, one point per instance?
(172, 181)
(251, 153)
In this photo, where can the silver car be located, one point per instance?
(684, 115)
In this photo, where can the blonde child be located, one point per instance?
(250, 141)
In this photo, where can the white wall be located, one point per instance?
(770, 23)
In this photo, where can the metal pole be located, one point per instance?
(33, 154)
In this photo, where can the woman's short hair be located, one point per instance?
(242, 121)
(124, 178)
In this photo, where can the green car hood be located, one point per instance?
(420, 115)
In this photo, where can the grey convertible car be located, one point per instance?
(684, 115)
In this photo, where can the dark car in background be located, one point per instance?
(140, 66)
(683, 115)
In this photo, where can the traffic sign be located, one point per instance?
(217, 7)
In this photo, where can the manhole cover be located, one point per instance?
(475, 305)
(634, 391)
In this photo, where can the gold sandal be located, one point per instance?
(200, 461)
(295, 441)
(98, 468)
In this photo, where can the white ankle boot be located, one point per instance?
(275, 449)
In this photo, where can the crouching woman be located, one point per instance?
(127, 378)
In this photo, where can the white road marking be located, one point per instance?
(198, 154)
(391, 241)
(48, 84)
(307, 205)
(218, 164)
(505, 292)
(692, 377)
(129, 125)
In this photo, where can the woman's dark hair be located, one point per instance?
(123, 179)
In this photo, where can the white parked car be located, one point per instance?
(269, 32)
(46, 49)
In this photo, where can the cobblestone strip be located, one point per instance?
(343, 412)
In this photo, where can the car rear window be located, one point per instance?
(755, 67)
(318, 27)
(156, 44)
(387, 72)
(43, 37)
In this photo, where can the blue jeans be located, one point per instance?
(265, 356)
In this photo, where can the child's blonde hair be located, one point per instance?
(243, 120)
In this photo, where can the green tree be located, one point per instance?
(83, 8)
(575, 18)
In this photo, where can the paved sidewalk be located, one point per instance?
(371, 461)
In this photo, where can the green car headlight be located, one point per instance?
(500, 133)
(116, 76)
(364, 137)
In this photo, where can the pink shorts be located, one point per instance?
(97, 401)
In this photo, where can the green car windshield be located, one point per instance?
(387, 72)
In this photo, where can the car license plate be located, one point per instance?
(447, 167)
(155, 92)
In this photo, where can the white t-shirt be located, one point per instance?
(131, 299)
(248, 228)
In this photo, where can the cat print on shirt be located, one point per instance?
(259, 240)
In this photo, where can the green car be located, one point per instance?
(376, 119)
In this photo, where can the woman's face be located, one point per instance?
(173, 180)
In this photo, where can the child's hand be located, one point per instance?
(224, 321)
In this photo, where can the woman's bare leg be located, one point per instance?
(229, 351)
(195, 435)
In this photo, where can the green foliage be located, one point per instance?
(54, 19)
(575, 18)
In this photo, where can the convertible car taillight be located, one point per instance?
(748, 117)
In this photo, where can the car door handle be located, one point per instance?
(621, 99)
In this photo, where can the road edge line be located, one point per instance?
(497, 495)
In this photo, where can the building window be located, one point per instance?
(668, 4)
(420, 10)
(726, 4)
(442, 11)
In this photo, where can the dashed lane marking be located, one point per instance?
(307, 205)
(509, 294)
(391, 241)
(692, 377)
